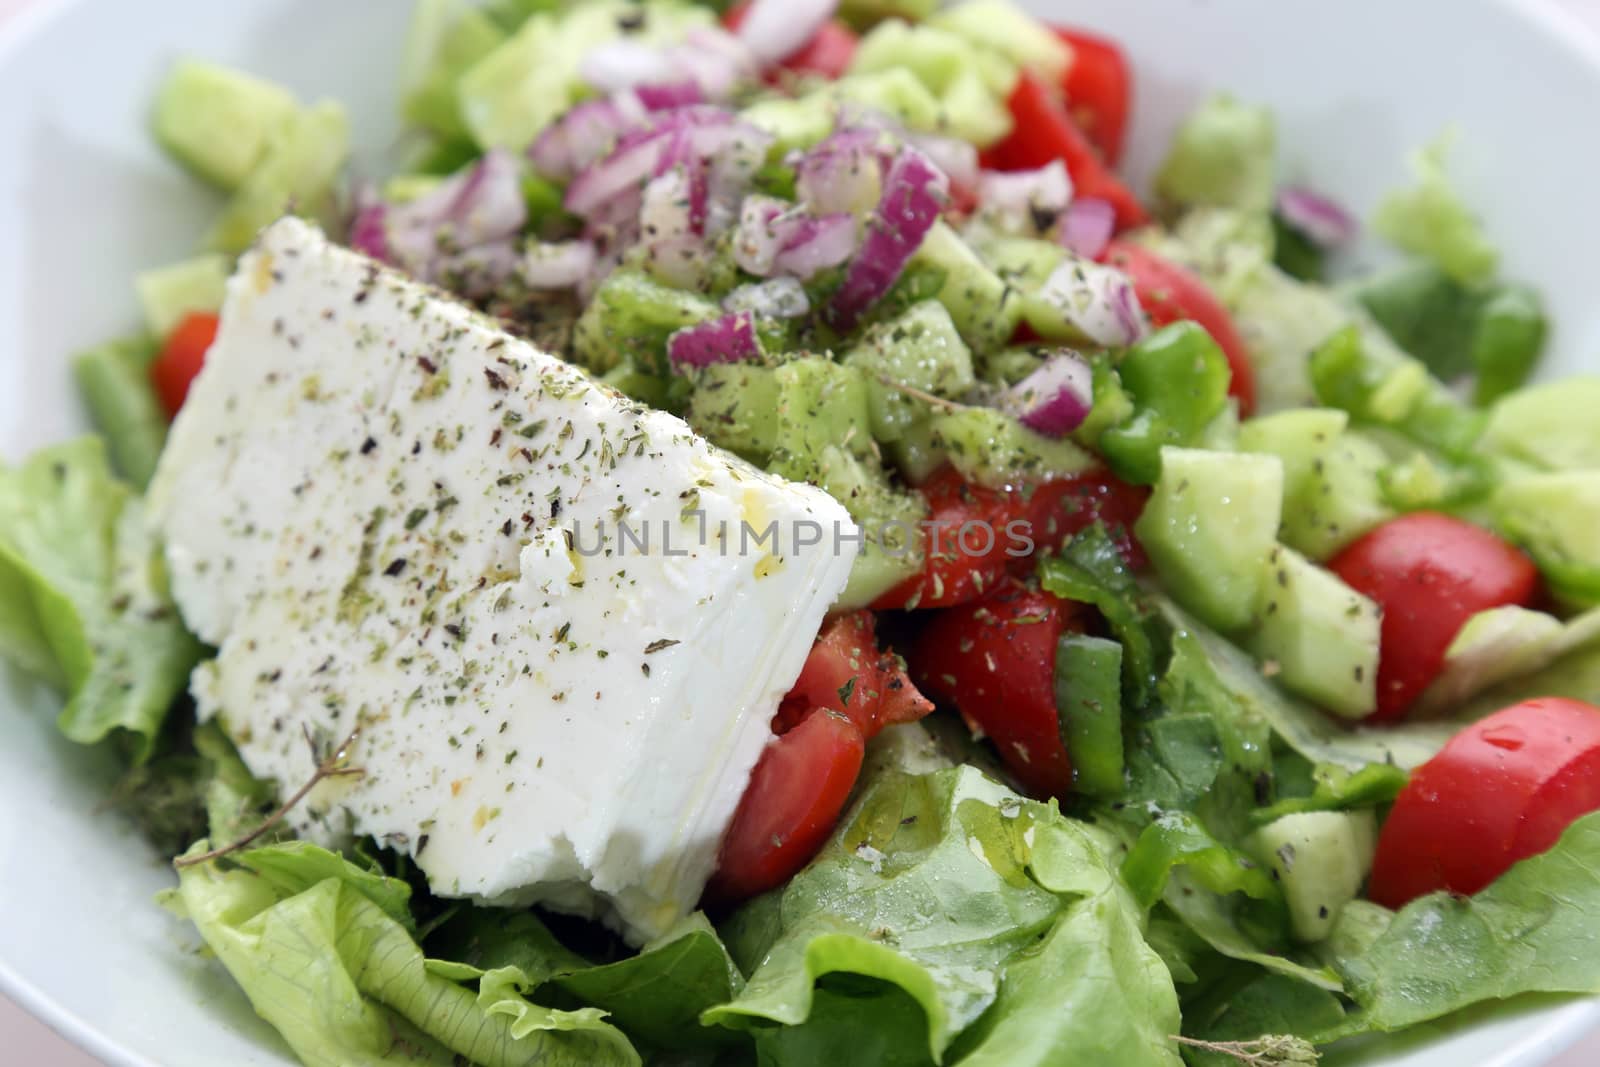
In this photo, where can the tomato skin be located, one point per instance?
(1169, 293)
(795, 796)
(995, 660)
(181, 357)
(827, 54)
(1044, 132)
(1058, 510)
(949, 574)
(1099, 90)
(847, 673)
(1046, 514)
(1502, 790)
(1429, 573)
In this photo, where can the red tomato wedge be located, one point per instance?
(1502, 790)
(1429, 573)
(1059, 510)
(958, 567)
(848, 673)
(995, 661)
(1099, 91)
(181, 358)
(1169, 293)
(795, 795)
(963, 562)
(827, 54)
(1043, 131)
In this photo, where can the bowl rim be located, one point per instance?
(1565, 1025)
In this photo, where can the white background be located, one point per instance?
(26, 1041)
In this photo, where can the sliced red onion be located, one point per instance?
(1025, 201)
(477, 271)
(729, 339)
(815, 244)
(680, 262)
(665, 214)
(1326, 223)
(957, 158)
(762, 234)
(1098, 301)
(716, 60)
(585, 133)
(490, 204)
(557, 265)
(841, 172)
(439, 235)
(914, 194)
(670, 95)
(775, 298)
(623, 172)
(1055, 399)
(624, 63)
(777, 29)
(678, 157)
(1087, 226)
(369, 228)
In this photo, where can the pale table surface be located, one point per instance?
(29, 1041)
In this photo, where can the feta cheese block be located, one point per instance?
(558, 623)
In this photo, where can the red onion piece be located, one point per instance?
(1087, 226)
(729, 339)
(624, 63)
(776, 29)
(1326, 223)
(669, 95)
(841, 172)
(460, 232)
(775, 298)
(716, 60)
(1025, 201)
(585, 133)
(1097, 301)
(815, 244)
(957, 158)
(763, 231)
(664, 213)
(620, 175)
(914, 194)
(1055, 399)
(369, 228)
(557, 265)
(477, 271)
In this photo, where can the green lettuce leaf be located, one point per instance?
(83, 602)
(319, 946)
(1316, 736)
(992, 913)
(656, 997)
(1430, 219)
(1534, 930)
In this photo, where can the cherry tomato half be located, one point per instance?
(1099, 90)
(1429, 573)
(181, 358)
(846, 672)
(995, 660)
(962, 560)
(1502, 790)
(1043, 132)
(795, 795)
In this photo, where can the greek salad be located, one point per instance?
(755, 545)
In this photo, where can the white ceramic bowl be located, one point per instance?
(86, 199)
